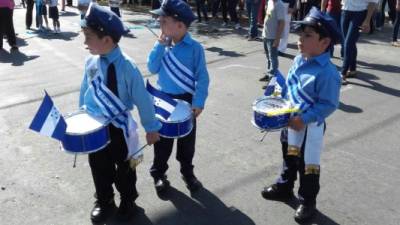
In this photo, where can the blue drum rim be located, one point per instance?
(180, 136)
(80, 134)
(265, 129)
(86, 152)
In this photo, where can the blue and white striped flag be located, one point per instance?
(48, 121)
(164, 105)
(277, 85)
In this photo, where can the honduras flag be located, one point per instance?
(276, 86)
(164, 105)
(48, 121)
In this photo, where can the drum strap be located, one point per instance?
(112, 108)
(178, 72)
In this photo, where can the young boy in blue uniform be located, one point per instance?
(313, 86)
(176, 58)
(111, 87)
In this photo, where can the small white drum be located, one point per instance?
(180, 122)
(85, 133)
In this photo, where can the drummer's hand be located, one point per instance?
(197, 111)
(296, 123)
(152, 137)
(163, 39)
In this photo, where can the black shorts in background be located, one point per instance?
(53, 12)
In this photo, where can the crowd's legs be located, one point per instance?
(351, 22)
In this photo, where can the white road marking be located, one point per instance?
(238, 65)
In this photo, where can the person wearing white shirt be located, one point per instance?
(356, 16)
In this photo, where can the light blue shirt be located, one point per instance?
(191, 54)
(131, 89)
(319, 78)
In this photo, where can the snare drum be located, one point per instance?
(271, 113)
(85, 133)
(180, 122)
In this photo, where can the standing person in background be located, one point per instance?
(274, 24)
(252, 12)
(44, 13)
(356, 15)
(334, 9)
(289, 9)
(201, 8)
(28, 16)
(39, 13)
(380, 15)
(83, 6)
(53, 14)
(6, 24)
(63, 5)
(396, 26)
(114, 6)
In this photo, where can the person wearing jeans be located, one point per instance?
(274, 24)
(356, 15)
(252, 12)
(396, 25)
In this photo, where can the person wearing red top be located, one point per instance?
(6, 23)
(334, 9)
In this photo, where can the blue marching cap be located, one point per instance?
(318, 19)
(177, 9)
(102, 19)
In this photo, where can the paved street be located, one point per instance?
(360, 173)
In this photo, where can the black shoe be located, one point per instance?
(192, 183)
(304, 212)
(101, 211)
(265, 78)
(274, 193)
(161, 184)
(14, 48)
(126, 210)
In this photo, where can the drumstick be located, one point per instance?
(73, 166)
(155, 34)
(262, 139)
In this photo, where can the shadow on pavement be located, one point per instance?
(349, 108)
(16, 58)
(223, 52)
(204, 208)
(370, 79)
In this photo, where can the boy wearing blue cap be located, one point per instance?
(313, 87)
(111, 87)
(177, 57)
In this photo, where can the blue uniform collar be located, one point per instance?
(322, 59)
(112, 55)
(187, 39)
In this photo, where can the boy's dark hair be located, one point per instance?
(100, 34)
(178, 20)
(321, 31)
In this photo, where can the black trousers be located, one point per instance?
(309, 184)
(28, 16)
(7, 26)
(184, 154)
(109, 166)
